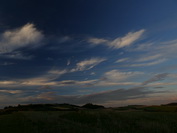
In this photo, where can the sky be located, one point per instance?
(108, 52)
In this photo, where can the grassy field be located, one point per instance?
(88, 121)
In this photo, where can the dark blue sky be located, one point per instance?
(110, 52)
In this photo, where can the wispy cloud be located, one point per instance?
(47, 79)
(76, 82)
(156, 50)
(64, 39)
(50, 80)
(58, 72)
(68, 62)
(142, 47)
(150, 54)
(147, 64)
(113, 83)
(122, 60)
(92, 73)
(116, 78)
(119, 42)
(149, 58)
(156, 78)
(7, 83)
(97, 41)
(11, 91)
(115, 75)
(127, 40)
(111, 78)
(158, 83)
(87, 64)
(16, 55)
(26, 36)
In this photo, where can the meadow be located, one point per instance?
(89, 121)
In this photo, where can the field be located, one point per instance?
(89, 121)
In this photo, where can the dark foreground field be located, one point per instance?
(88, 121)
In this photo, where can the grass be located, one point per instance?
(161, 108)
(88, 121)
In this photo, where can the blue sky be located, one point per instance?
(109, 52)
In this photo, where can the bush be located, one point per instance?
(91, 106)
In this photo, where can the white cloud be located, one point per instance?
(119, 42)
(58, 72)
(97, 41)
(6, 82)
(87, 64)
(168, 49)
(122, 60)
(162, 84)
(64, 39)
(148, 64)
(27, 35)
(142, 47)
(46, 79)
(148, 58)
(115, 75)
(157, 50)
(16, 55)
(49, 81)
(108, 83)
(76, 82)
(11, 91)
(68, 62)
(155, 78)
(92, 73)
(127, 40)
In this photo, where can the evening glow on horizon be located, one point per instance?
(109, 52)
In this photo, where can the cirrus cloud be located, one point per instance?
(115, 75)
(119, 42)
(87, 64)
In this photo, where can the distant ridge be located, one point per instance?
(49, 107)
(170, 104)
(92, 106)
(170, 107)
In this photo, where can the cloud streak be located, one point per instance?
(119, 42)
(158, 77)
(16, 55)
(122, 60)
(87, 64)
(148, 63)
(149, 58)
(115, 75)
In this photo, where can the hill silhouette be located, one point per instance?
(92, 106)
(170, 107)
(49, 107)
(170, 104)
